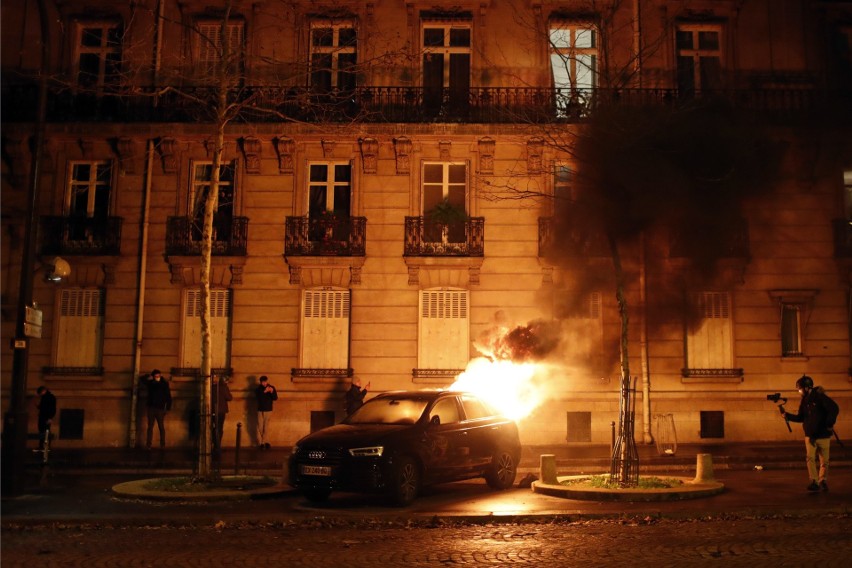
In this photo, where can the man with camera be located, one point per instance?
(817, 413)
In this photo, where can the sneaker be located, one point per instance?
(813, 486)
(823, 485)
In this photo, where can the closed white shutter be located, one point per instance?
(710, 344)
(220, 328)
(325, 329)
(80, 335)
(444, 329)
(210, 40)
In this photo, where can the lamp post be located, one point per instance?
(16, 419)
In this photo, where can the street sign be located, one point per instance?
(32, 322)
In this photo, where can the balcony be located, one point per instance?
(87, 236)
(388, 104)
(325, 236)
(557, 241)
(183, 237)
(842, 238)
(424, 237)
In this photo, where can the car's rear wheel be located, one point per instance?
(405, 483)
(316, 495)
(502, 471)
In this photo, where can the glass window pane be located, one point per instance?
(341, 200)
(586, 71)
(114, 37)
(103, 173)
(708, 40)
(684, 39)
(319, 172)
(560, 37)
(460, 37)
(342, 173)
(455, 197)
(89, 68)
(91, 37)
(585, 38)
(433, 37)
(82, 172)
(347, 37)
(322, 37)
(561, 75)
(457, 173)
(203, 172)
(432, 196)
(433, 173)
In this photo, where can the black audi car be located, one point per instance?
(399, 441)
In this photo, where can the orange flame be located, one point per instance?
(514, 389)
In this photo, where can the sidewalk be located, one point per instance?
(569, 459)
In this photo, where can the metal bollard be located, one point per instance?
(237, 448)
(612, 436)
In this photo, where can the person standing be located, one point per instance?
(159, 403)
(46, 413)
(266, 395)
(223, 396)
(817, 414)
(355, 396)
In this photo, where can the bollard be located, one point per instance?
(547, 469)
(612, 436)
(237, 449)
(703, 468)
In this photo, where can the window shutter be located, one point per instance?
(220, 316)
(710, 345)
(80, 334)
(444, 329)
(325, 329)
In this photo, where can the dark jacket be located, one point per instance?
(265, 399)
(223, 395)
(47, 407)
(159, 394)
(817, 413)
(354, 398)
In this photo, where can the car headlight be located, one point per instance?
(369, 452)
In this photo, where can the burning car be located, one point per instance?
(399, 441)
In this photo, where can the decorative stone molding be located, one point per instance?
(311, 271)
(328, 149)
(445, 147)
(225, 271)
(402, 149)
(486, 155)
(168, 151)
(125, 147)
(369, 154)
(431, 272)
(284, 147)
(535, 148)
(92, 271)
(295, 274)
(251, 147)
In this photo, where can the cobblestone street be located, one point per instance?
(774, 541)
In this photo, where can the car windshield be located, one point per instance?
(387, 410)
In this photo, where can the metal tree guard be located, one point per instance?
(624, 464)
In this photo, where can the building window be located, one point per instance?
(329, 200)
(699, 58)
(98, 55)
(712, 424)
(709, 340)
(579, 427)
(446, 64)
(791, 329)
(79, 341)
(563, 185)
(223, 215)
(324, 339)
(444, 328)
(847, 193)
(210, 47)
(333, 56)
(573, 62)
(444, 202)
(220, 329)
(89, 187)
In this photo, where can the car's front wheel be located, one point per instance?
(502, 471)
(315, 495)
(405, 483)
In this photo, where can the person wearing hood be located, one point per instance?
(817, 414)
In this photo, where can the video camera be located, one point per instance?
(775, 397)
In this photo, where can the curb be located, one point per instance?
(137, 490)
(689, 490)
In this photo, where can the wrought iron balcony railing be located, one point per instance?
(842, 238)
(325, 236)
(91, 236)
(557, 241)
(424, 237)
(383, 104)
(183, 236)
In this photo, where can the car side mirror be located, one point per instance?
(435, 421)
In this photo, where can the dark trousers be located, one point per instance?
(43, 429)
(155, 414)
(220, 429)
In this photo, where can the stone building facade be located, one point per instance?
(387, 198)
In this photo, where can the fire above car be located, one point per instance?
(399, 441)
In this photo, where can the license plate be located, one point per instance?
(316, 470)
